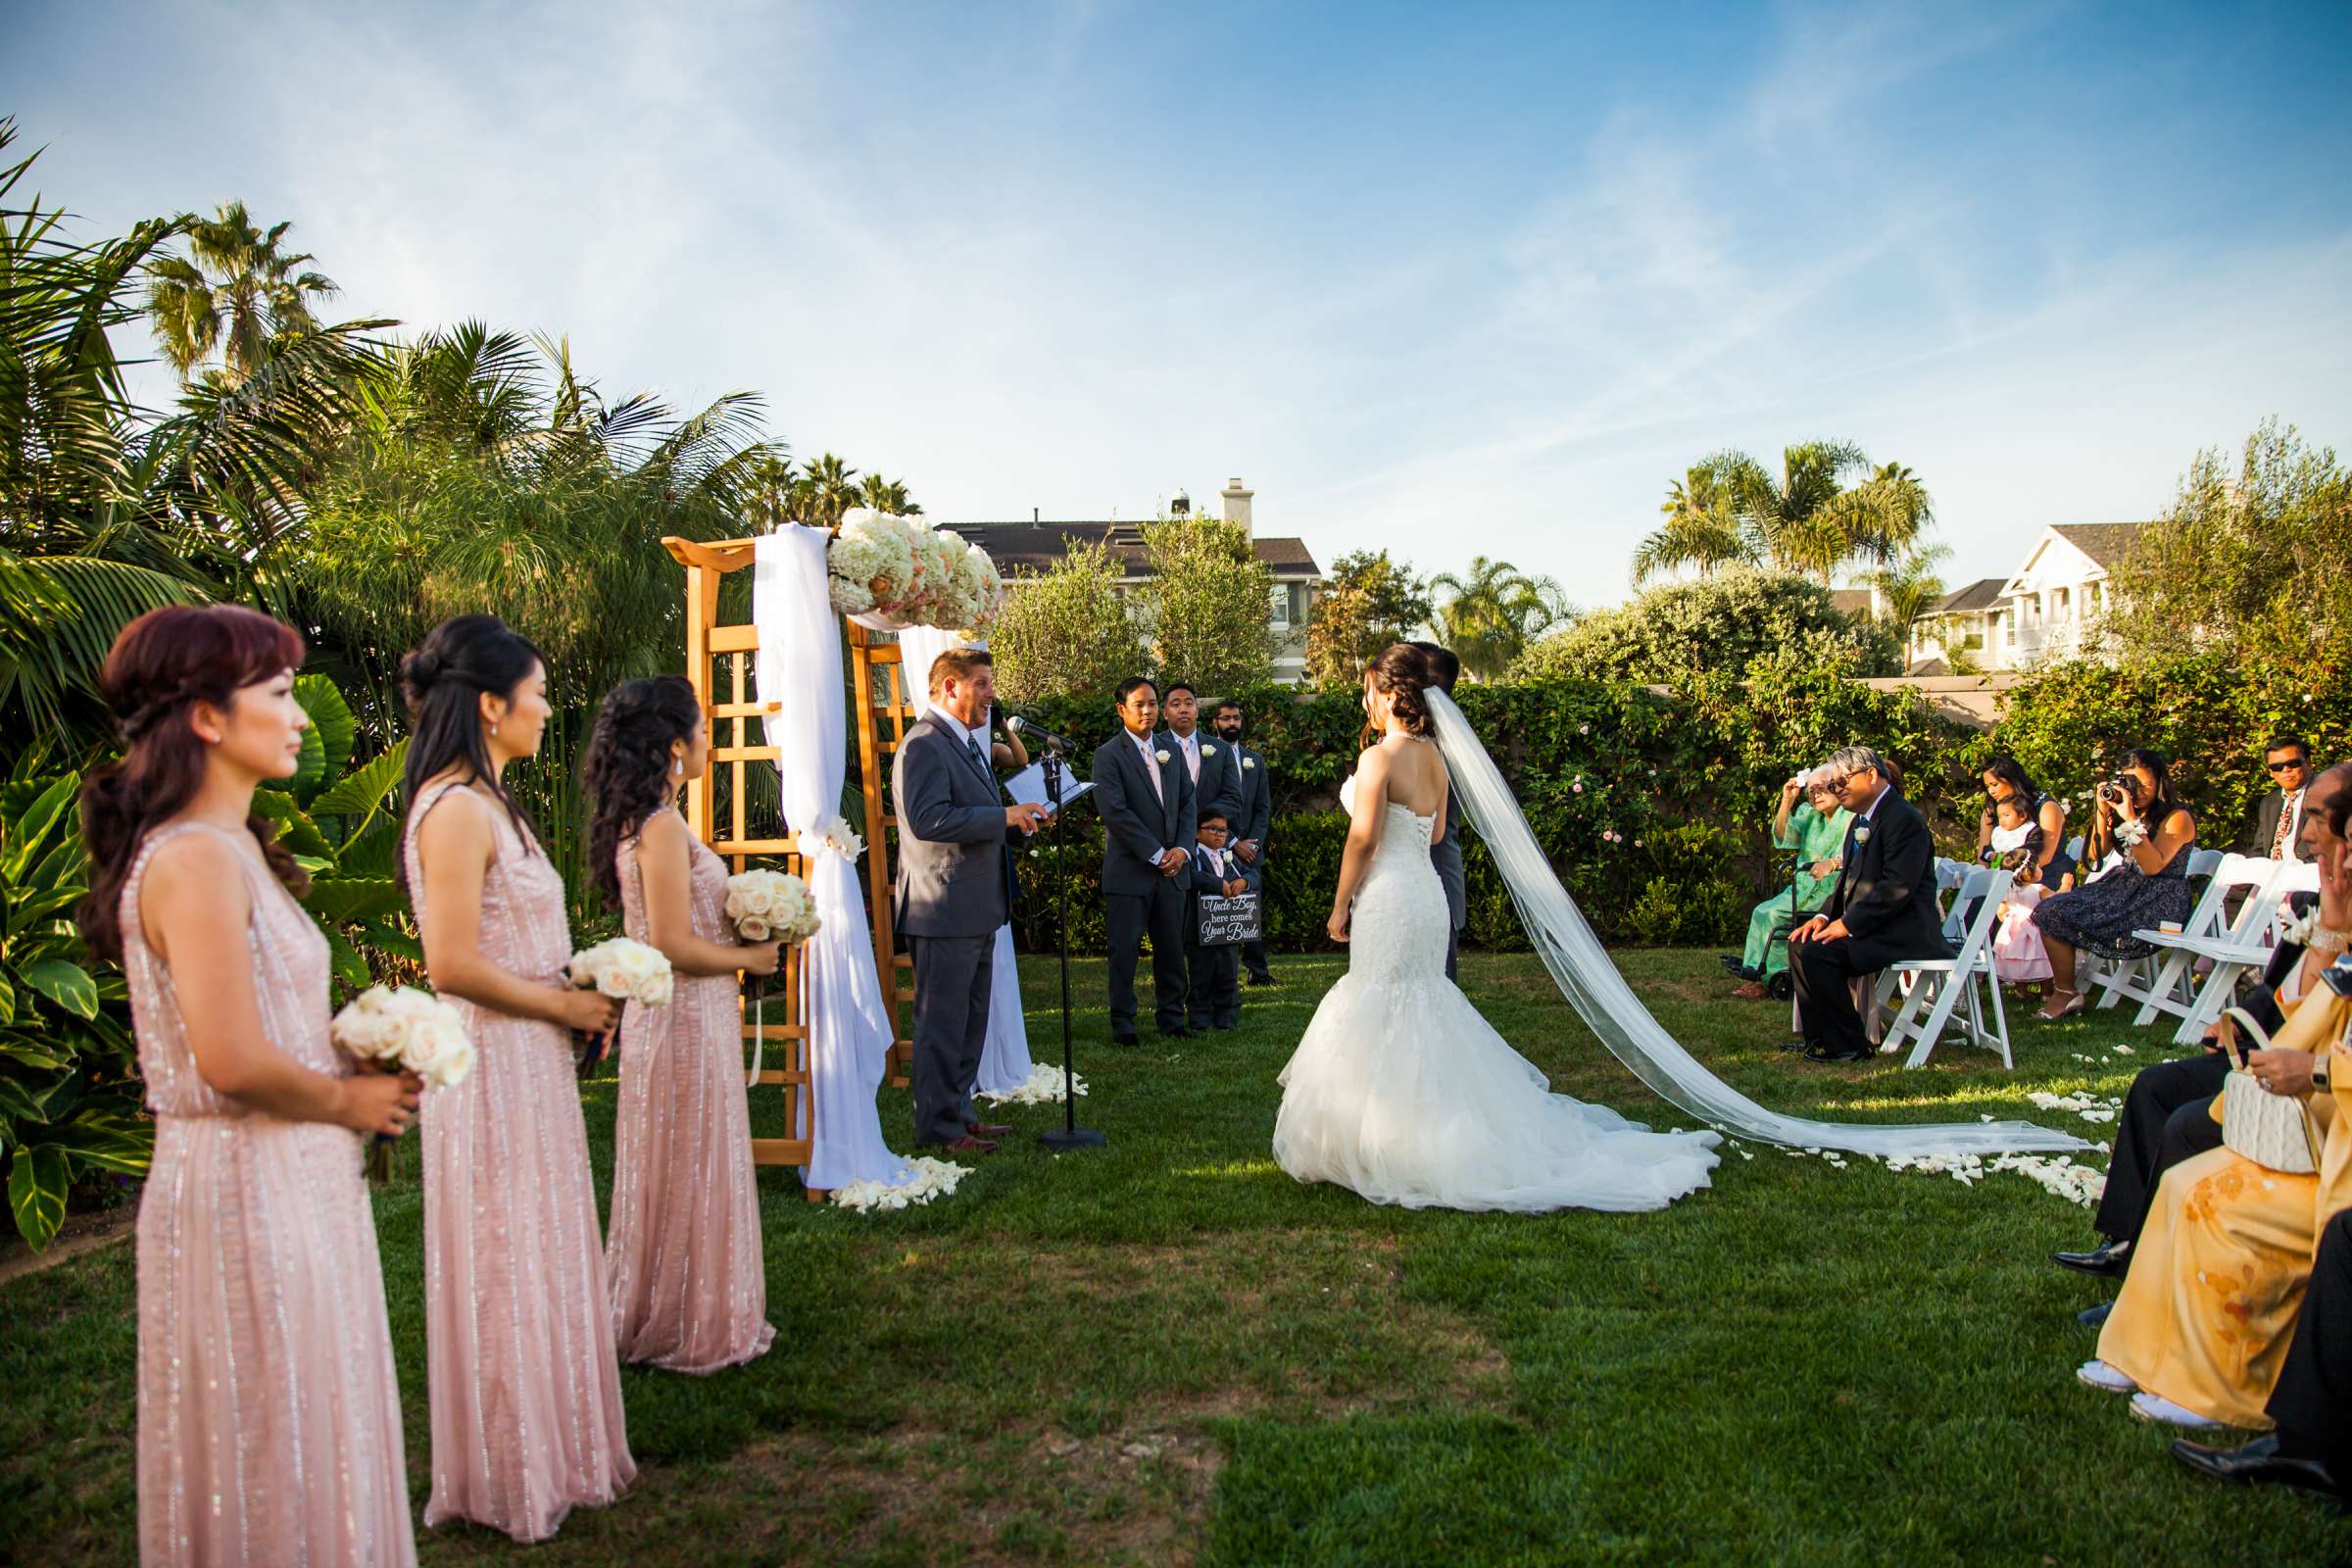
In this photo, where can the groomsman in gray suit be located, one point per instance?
(1447, 854)
(1251, 822)
(954, 889)
(1215, 770)
(1144, 794)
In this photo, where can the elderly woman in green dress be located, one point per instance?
(1811, 826)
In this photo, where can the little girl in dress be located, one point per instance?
(2018, 955)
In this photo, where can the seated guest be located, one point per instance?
(2166, 1117)
(1215, 987)
(2200, 1332)
(2023, 828)
(2278, 819)
(1881, 910)
(1810, 824)
(2310, 1443)
(2140, 815)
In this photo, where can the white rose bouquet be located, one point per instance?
(403, 1029)
(869, 563)
(626, 970)
(770, 907)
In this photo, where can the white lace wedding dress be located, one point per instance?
(1401, 1093)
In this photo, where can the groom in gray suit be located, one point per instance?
(954, 890)
(1447, 854)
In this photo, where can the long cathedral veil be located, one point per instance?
(1593, 987)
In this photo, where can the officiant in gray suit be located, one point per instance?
(1447, 854)
(954, 890)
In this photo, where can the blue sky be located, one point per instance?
(1442, 280)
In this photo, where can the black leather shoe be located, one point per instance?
(1175, 1034)
(1820, 1050)
(2091, 1317)
(1125, 1040)
(2108, 1263)
(2261, 1463)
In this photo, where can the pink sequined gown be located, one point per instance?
(689, 1287)
(269, 1412)
(521, 1377)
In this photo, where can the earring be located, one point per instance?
(677, 765)
(494, 729)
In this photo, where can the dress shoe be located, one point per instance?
(2260, 1462)
(2107, 1262)
(2091, 1317)
(1125, 1040)
(985, 1129)
(1267, 979)
(1822, 1051)
(1736, 966)
(968, 1145)
(1175, 1034)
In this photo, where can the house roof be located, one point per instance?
(1982, 594)
(1034, 547)
(1927, 667)
(2106, 543)
(1853, 601)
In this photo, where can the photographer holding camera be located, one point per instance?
(2137, 813)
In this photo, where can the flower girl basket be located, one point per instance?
(2273, 1130)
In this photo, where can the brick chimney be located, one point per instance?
(1236, 504)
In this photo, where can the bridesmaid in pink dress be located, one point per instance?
(689, 1287)
(522, 1381)
(268, 1427)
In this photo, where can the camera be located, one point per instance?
(2116, 789)
(2338, 976)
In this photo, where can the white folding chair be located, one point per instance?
(2246, 948)
(1941, 985)
(2133, 979)
(2171, 981)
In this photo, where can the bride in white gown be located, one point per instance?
(1400, 1092)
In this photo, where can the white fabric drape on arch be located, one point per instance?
(1005, 1063)
(849, 1031)
(1592, 985)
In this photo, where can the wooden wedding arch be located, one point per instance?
(722, 664)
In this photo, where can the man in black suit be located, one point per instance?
(1882, 912)
(2167, 1114)
(2278, 820)
(1252, 826)
(2311, 1403)
(1447, 854)
(1144, 794)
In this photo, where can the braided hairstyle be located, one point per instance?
(628, 769)
(1400, 673)
(161, 665)
(443, 680)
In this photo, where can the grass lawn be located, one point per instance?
(1167, 1351)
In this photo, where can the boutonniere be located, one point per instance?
(1207, 750)
(1862, 834)
(1248, 763)
(1163, 755)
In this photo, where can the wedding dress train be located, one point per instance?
(1403, 1094)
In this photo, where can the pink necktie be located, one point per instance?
(1151, 766)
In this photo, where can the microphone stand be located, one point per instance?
(1069, 1134)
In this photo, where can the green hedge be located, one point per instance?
(1688, 779)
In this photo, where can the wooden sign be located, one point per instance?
(1226, 922)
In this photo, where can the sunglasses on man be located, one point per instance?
(2290, 765)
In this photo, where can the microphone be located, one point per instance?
(1031, 728)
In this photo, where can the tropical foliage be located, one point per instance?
(233, 296)
(1829, 506)
(1488, 615)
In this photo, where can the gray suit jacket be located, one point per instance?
(1220, 781)
(1137, 824)
(952, 879)
(1446, 855)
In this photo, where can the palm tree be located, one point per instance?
(234, 294)
(1703, 527)
(824, 491)
(1491, 613)
(886, 495)
(1827, 506)
(1910, 586)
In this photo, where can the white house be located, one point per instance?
(2049, 609)
(1033, 547)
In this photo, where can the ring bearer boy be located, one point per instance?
(1216, 983)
